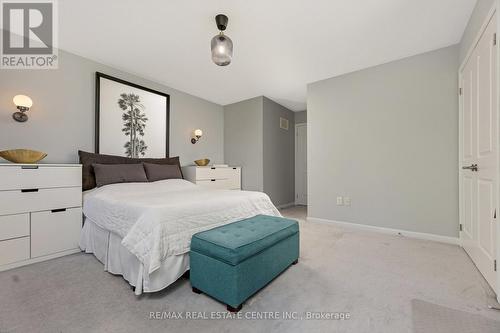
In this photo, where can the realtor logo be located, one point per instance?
(29, 39)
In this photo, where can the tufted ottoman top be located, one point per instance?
(235, 242)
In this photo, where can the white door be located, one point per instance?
(479, 147)
(301, 164)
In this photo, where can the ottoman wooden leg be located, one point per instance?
(295, 262)
(237, 309)
(196, 290)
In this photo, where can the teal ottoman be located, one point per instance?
(232, 262)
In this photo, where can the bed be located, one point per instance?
(142, 231)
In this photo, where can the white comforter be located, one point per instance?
(157, 219)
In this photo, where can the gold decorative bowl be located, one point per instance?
(22, 155)
(202, 162)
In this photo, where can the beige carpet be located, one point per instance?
(373, 277)
(429, 317)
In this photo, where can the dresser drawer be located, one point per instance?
(14, 226)
(216, 173)
(18, 177)
(53, 232)
(32, 200)
(14, 250)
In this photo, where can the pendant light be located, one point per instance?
(221, 45)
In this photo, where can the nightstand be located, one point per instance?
(224, 178)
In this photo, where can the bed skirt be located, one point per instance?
(107, 248)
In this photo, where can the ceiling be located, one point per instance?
(279, 46)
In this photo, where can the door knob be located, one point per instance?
(472, 167)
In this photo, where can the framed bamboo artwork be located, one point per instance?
(130, 120)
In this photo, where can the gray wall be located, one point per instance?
(475, 22)
(243, 144)
(253, 140)
(279, 154)
(387, 137)
(62, 117)
(301, 117)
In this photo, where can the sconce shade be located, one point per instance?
(23, 101)
(197, 133)
(23, 104)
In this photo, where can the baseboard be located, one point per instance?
(390, 231)
(287, 205)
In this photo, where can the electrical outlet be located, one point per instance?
(340, 201)
(347, 201)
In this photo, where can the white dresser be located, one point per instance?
(226, 178)
(40, 212)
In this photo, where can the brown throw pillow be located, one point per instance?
(156, 172)
(87, 159)
(119, 173)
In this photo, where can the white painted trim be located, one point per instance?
(497, 257)
(478, 35)
(460, 150)
(38, 259)
(390, 231)
(287, 205)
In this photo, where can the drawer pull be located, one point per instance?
(234, 168)
(58, 210)
(213, 168)
(212, 180)
(28, 190)
(29, 167)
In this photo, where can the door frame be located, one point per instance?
(471, 49)
(297, 125)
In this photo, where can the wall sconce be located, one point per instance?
(196, 136)
(23, 104)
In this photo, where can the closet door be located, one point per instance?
(479, 155)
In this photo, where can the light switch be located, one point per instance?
(347, 201)
(340, 201)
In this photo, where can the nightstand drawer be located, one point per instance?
(33, 200)
(15, 177)
(217, 173)
(218, 184)
(14, 250)
(53, 232)
(14, 226)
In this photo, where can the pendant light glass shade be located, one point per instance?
(222, 49)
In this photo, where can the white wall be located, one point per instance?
(62, 117)
(387, 137)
